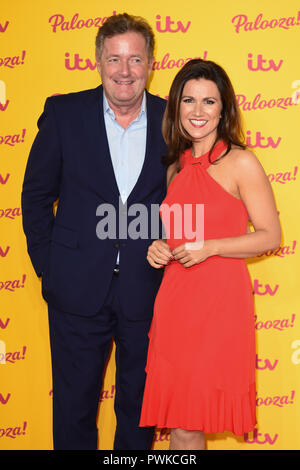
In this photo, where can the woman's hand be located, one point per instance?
(159, 254)
(192, 253)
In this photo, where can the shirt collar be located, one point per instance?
(107, 109)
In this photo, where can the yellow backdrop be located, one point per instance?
(48, 48)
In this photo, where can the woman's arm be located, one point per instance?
(256, 193)
(159, 253)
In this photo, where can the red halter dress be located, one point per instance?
(201, 359)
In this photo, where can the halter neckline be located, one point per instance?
(203, 160)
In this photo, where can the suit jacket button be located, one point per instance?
(116, 245)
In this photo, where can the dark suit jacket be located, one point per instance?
(70, 162)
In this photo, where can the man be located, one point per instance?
(94, 148)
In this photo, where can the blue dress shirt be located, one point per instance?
(127, 147)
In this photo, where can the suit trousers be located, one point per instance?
(80, 348)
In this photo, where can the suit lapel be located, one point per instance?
(145, 174)
(97, 155)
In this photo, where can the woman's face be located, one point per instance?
(200, 110)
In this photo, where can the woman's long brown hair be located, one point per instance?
(229, 129)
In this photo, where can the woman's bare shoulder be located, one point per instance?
(244, 160)
(246, 167)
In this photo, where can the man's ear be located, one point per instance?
(98, 63)
(151, 62)
(150, 66)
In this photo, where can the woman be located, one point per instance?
(201, 359)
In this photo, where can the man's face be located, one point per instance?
(124, 68)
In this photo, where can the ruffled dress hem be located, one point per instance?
(192, 407)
